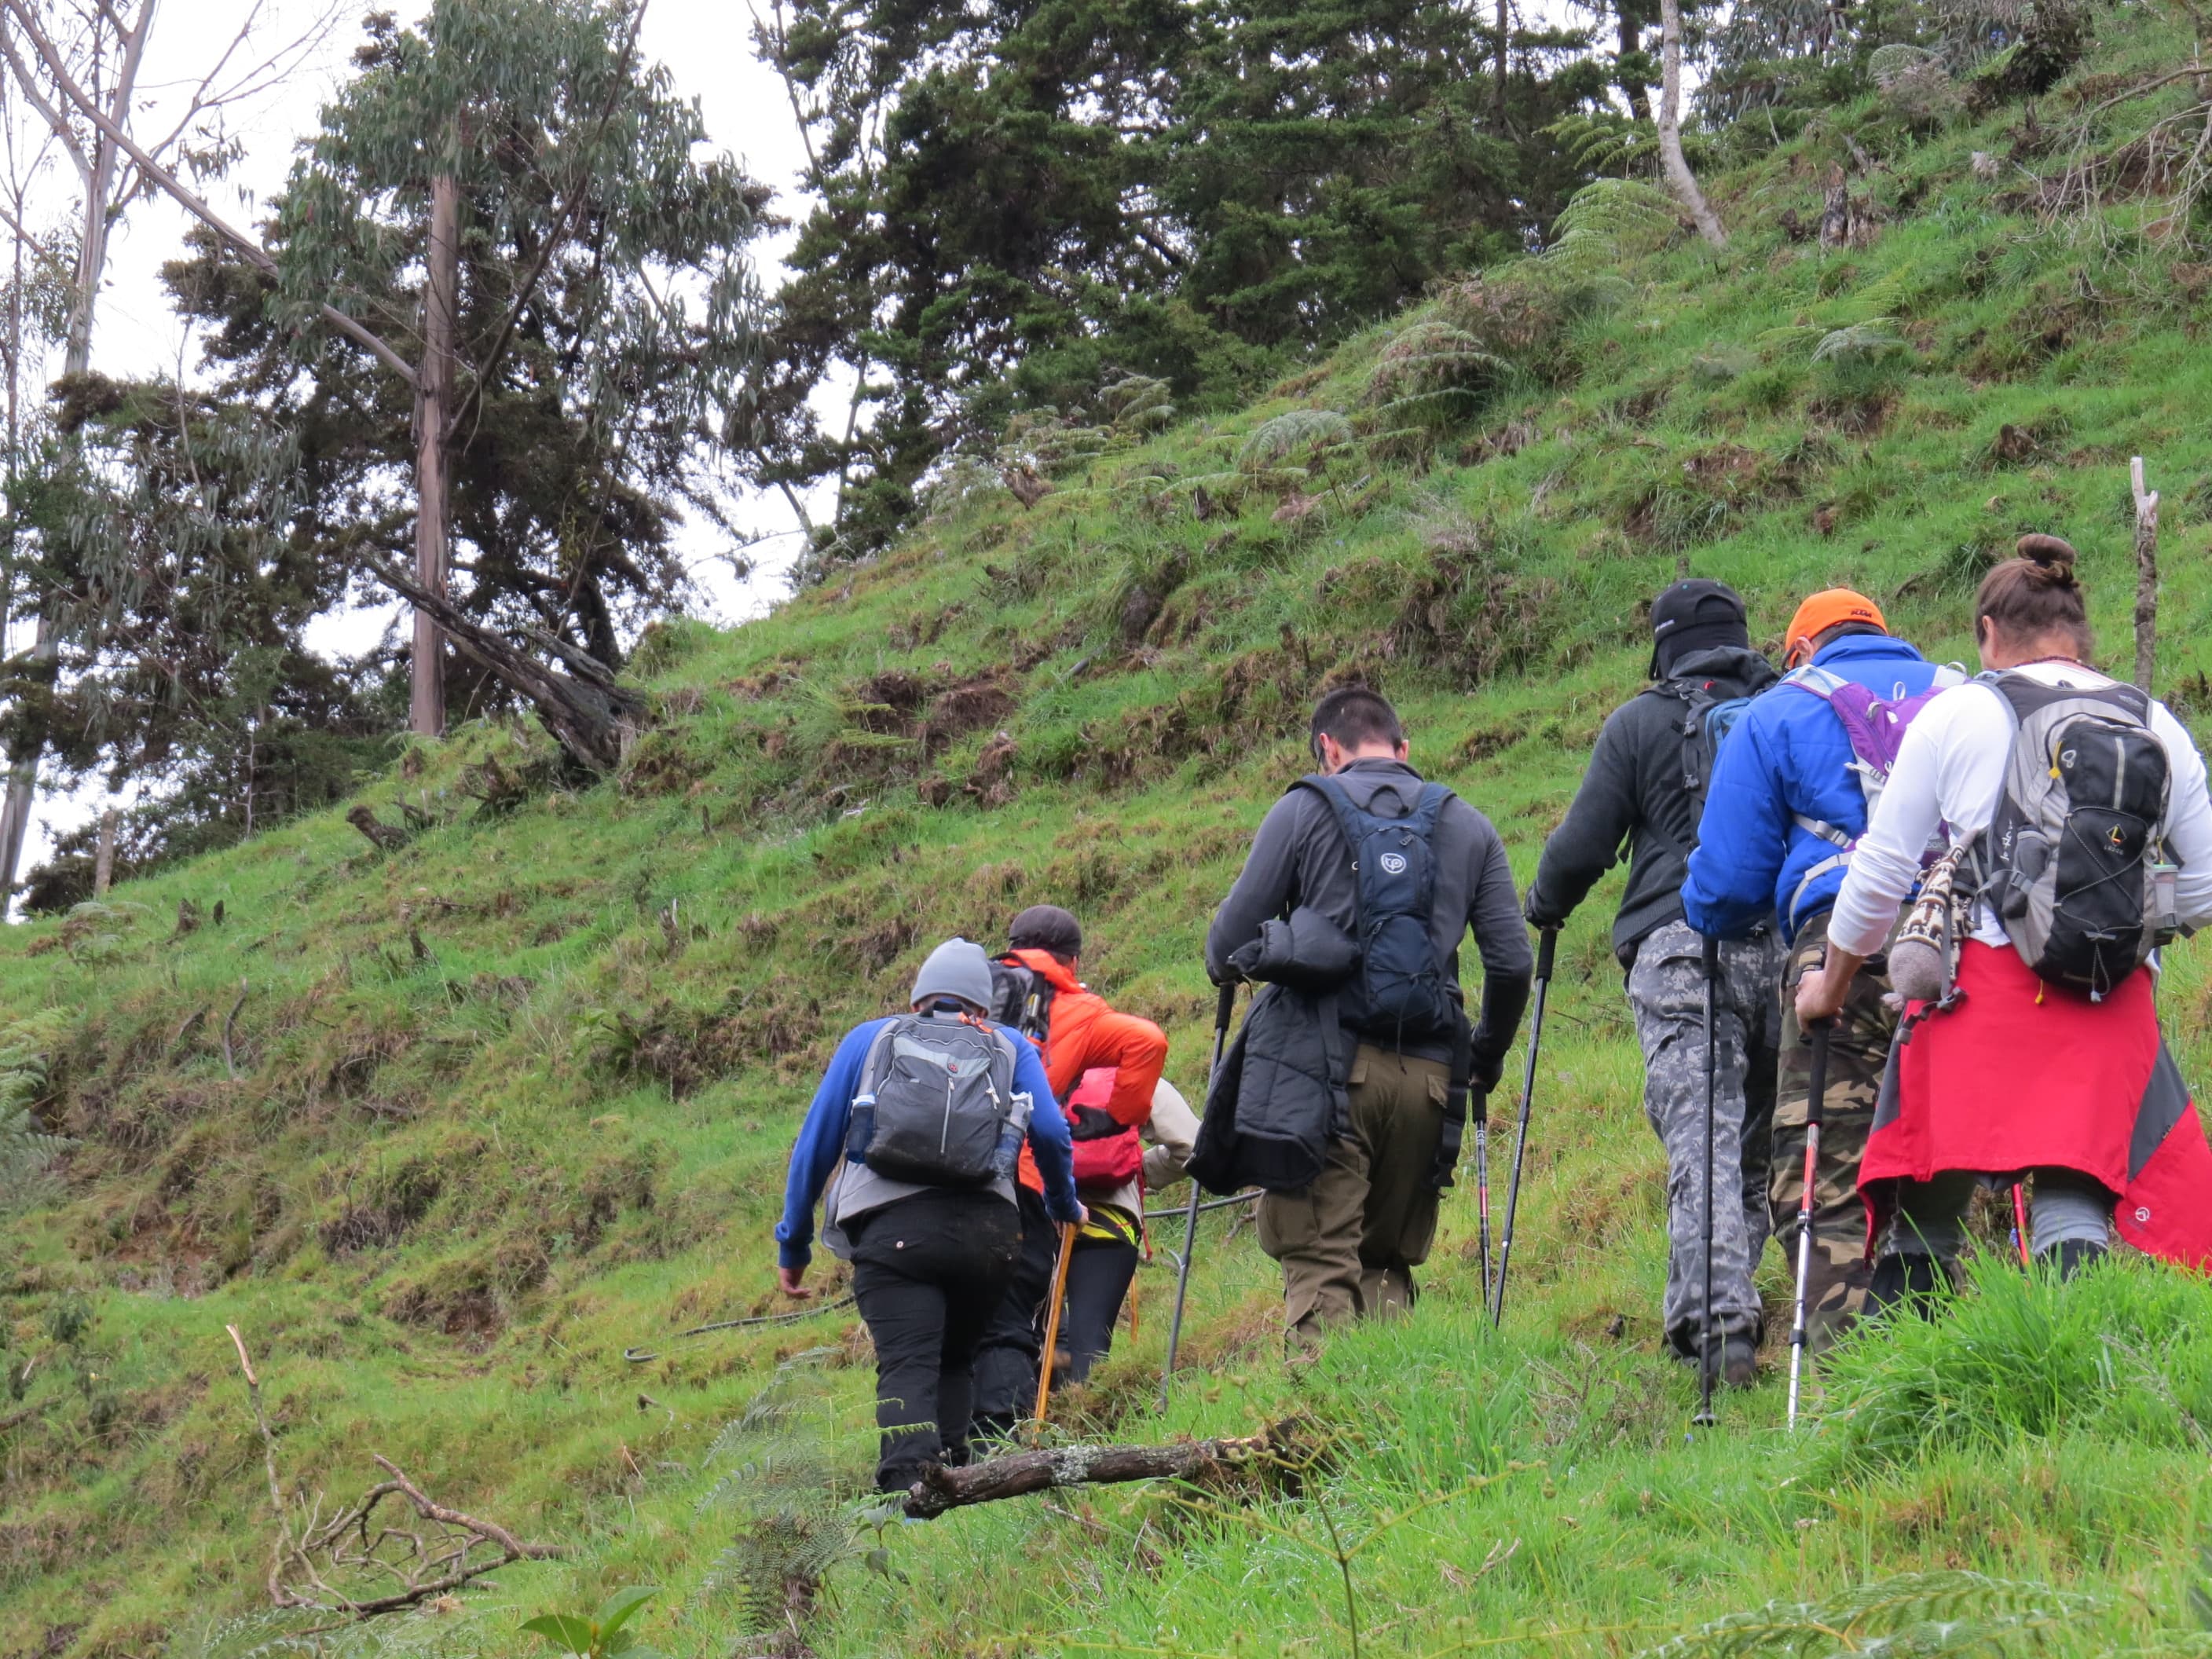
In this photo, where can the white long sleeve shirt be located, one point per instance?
(1949, 771)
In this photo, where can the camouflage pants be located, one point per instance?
(1667, 991)
(1858, 1048)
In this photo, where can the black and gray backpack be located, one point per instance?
(1021, 998)
(2072, 864)
(937, 1104)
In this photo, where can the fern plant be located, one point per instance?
(1611, 220)
(26, 1151)
(1924, 1615)
(1431, 371)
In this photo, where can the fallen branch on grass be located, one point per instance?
(384, 1566)
(941, 1489)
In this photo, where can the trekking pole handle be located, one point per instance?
(1818, 1083)
(1547, 944)
(1225, 1007)
(1712, 955)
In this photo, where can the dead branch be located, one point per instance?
(2146, 575)
(941, 1489)
(419, 1563)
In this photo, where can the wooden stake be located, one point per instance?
(2146, 575)
(1052, 1320)
(103, 863)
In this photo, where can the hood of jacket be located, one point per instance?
(1737, 669)
(1056, 973)
(1309, 951)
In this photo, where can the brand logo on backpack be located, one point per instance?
(2072, 864)
(937, 1104)
(1401, 989)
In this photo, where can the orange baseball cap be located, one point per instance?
(1829, 608)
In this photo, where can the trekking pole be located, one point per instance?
(1546, 943)
(1482, 1186)
(1812, 1103)
(1223, 1009)
(2020, 1221)
(1705, 1417)
(1052, 1320)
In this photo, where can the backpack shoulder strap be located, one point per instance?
(1348, 817)
(1819, 681)
(1422, 820)
(871, 1068)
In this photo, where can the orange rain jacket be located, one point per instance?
(1085, 1035)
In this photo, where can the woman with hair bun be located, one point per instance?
(2015, 1073)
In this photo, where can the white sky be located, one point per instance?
(706, 45)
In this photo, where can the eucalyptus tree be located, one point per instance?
(505, 305)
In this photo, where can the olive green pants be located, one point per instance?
(1349, 1242)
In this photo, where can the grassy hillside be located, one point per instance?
(443, 1131)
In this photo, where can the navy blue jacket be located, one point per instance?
(1788, 756)
(822, 1139)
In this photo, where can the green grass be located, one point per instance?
(518, 1096)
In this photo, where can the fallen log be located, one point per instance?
(941, 1489)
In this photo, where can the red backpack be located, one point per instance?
(1108, 1154)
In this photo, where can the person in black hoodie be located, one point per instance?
(1643, 792)
(1377, 1104)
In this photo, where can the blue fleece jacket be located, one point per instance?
(1788, 756)
(822, 1140)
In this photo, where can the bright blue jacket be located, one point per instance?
(1788, 757)
(822, 1139)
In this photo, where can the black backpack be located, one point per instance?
(1704, 724)
(1401, 987)
(937, 1104)
(1021, 998)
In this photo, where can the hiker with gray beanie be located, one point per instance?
(916, 1133)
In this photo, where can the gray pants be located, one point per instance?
(2064, 1206)
(1667, 990)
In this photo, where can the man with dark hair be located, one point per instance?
(1644, 789)
(1789, 801)
(1360, 883)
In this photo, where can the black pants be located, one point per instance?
(1006, 1363)
(928, 1273)
(1098, 1276)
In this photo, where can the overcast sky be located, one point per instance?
(706, 47)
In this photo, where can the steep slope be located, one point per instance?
(443, 1130)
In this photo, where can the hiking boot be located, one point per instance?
(1911, 1278)
(2076, 1254)
(1738, 1356)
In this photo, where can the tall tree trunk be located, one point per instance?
(1679, 179)
(103, 863)
(1631, 46)
(1505, 41)
(99, 180)
(434, 408)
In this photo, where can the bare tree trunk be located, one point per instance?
(103, 863)
(97, 172)
(1679, 179)
(433, 410)
(2146, 576)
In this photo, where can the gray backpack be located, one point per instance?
(2073, 863)
(937, 1104)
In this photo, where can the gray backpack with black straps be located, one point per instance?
(2073, 863)
(937, 1104)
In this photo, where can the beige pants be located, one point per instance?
(1350, 1242)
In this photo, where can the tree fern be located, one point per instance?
(1303, 431)
(1611, 220)
(1432, 369)
(1859, 342)
(1896, 60)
